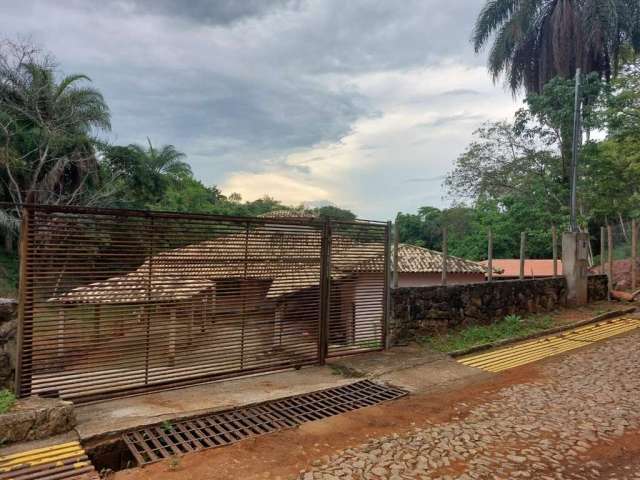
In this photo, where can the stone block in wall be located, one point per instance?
(597, 287)
(35, 418)
(423, 310)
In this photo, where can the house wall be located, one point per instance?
(435, 278)
(369, 308)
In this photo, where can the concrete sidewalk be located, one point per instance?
(414, 368)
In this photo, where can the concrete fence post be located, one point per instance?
(490, 255)
(610, 256)
(575, 247)
(554, 239)
(445, 253)
(523, 247)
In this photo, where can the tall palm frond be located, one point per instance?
(533, 41)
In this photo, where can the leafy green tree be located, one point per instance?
(552, 112)
(335, 213)
(147, 173)
(47, 130)
(533, 41)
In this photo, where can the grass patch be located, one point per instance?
(7, 399)
(345, 371)
(509, 327)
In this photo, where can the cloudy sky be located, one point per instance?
(362, 103)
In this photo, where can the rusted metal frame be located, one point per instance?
(385, 340)
(163, 326)
(24, 334)
(243, 293)
(325, 292)
(147, 307)
(120, 212)
(396, 245)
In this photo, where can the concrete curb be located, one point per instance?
(542, 333)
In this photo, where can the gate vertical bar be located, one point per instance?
(149, 302)
(387, 293)
(396, 245)
(325, 287)
(25, 312)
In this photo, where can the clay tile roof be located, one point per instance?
(290, 261)
(298, 213)
(414, 259)
(510, 267)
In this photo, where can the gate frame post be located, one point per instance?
(387, 291)
(22, 307)
(325, 287)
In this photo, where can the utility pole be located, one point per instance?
(577, 137)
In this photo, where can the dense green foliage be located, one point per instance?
(50, 151)
(9, 274)
(513, 177)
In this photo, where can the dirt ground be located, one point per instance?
(283, 455)
(567, 315)
(326, 449)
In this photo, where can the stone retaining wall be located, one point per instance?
(419, 311)
(8, 329)
(35, 418)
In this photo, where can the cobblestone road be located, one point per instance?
(552, 428)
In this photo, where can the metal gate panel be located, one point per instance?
(114, 302)
(359, 285)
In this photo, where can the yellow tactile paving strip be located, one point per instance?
(66, 460)
(530, 351)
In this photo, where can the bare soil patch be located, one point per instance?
(283, 455)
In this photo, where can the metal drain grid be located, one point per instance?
(159, 442)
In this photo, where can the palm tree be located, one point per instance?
(47, 131)
(537, 40)
(147, 171)
(165, 162)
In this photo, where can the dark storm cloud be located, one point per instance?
(236, 84)
(214, 12)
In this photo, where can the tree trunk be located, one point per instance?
(8, 242)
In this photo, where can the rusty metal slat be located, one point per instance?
(116, 302)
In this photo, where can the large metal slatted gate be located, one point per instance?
(358, 287)
(114, 302)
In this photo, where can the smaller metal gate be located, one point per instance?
(118, 301)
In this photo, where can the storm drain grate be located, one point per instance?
(151, 444)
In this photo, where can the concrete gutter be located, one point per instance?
(542, 333)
